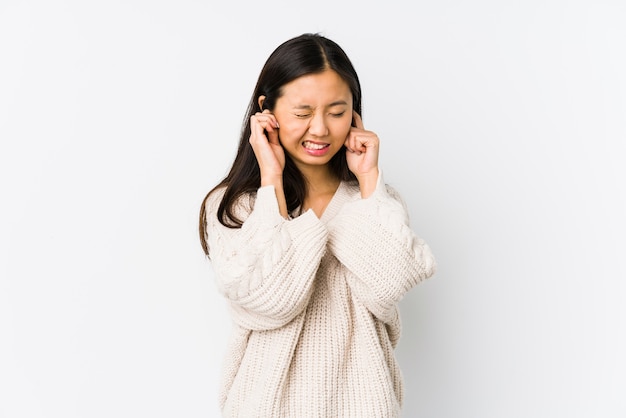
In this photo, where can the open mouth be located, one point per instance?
(314, 146)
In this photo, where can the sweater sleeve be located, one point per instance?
(372, 238)
(267, 267)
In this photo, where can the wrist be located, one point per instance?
(368, 183)
(272, 180)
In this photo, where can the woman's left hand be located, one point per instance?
(362, 155)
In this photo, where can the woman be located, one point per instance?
(310, 247)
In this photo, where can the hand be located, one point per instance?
(362, 155)
(267, 149)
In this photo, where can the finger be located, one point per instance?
(264, 120)
(352, 145)
(272, 118)
(360, 140)
(257, 126)
(351, 140)
(356, 118)
(272, 136)
(262, 124)
(348, 144)
(258, 137)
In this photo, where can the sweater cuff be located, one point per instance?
(308, 223)
(266, 202)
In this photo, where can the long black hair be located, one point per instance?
(303, 55)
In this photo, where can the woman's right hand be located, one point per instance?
(267, 149)
(269, 154)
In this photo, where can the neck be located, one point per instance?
(319, 179)
(320, 189)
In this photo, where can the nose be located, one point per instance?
(317, 125)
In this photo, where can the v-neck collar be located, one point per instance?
(340, 197)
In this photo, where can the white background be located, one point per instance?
(502, 124)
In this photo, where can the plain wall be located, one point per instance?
(501, 123)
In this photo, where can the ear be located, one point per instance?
(261, 101)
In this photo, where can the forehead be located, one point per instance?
(319, 89)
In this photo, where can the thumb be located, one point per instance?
(272, 135)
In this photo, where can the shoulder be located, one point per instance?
(351, 189)
(394, 193)
(241, 206)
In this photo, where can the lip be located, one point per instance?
(316, 152)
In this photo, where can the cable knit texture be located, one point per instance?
(314, 304)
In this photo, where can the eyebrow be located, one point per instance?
(308, 107)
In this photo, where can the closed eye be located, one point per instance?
(338, 115)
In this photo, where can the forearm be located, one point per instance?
(379, 226)
(265, 268)
(277, 182)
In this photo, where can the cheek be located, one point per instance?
(291, 131)
(342, 128)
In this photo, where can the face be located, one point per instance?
(315, 115)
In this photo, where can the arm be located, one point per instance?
(265, 269)
(372, 238)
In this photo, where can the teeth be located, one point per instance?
(310, 145)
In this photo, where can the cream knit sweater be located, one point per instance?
(314, 304)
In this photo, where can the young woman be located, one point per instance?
(310, 247)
